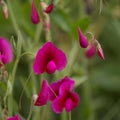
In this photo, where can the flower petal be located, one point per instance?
(16, 117)
(6, 54)
(43, 94)
(58, 57)
(51, 67)
(82, 39)
(42, 58)
(66, 86)
(58, 104)
(55, 87)
(72, 101)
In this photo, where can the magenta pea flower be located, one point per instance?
(34, 14)
(63, 95)
(42, 98)
(60, 93)
(6, 54)
(82, 39)
(49, 9)
(49, 59)
(16, 117)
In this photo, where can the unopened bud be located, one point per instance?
(99, 49)
(90, 51)
(49, 9)
(34, 14)
(5, 8)
(82, 39)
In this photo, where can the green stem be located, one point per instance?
(24, 88)
(14, 70)
(64, 115)
(12, 16)
(69, 116)
(38, 32)
(72, 58)
(31, 109)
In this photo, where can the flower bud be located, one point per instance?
(99, 49)
(49, 9)
(34, 14)
(90, 51)
(82, 39)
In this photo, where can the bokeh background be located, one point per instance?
(98, 81)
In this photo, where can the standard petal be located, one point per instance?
(72, 101)
(66, 86)
(58, 104)
(6, 54)
(43, 94)
(59, 57)
(42, 58)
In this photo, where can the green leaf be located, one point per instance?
(62, 19)
(3, 88)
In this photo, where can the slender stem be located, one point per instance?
(15, 25)
(72, 58)
(101, 6)
(31, 109)
(38, 32)
(69, 116)
(64, 115)
(52, 91)
(23, 89)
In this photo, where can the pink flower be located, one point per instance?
(6, 54)
(82, 39)
(49, 59)
(16, 117)
(60, 93)
(49, 8)
(42, 98)
(90, 51)
(34, 14)
(65, 96)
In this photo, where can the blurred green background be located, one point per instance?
(98, 81)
